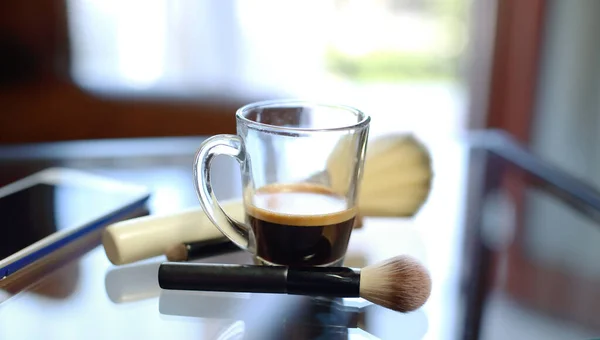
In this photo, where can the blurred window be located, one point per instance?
(397, 59)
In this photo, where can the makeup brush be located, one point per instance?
(396, 178)
(395, 182)
(399, 283)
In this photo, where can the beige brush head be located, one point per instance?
(400, 283)
(396, 178)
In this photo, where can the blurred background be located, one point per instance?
(176, 67)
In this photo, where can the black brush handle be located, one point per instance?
(222, 277)
(322, 281)
(212, 247)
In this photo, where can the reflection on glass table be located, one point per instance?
(532, 250)
(516, 261)
(270, 316)
(264, 316)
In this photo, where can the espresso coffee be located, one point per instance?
(299, 224)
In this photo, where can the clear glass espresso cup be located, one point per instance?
(301, 165)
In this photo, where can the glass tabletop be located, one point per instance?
(509, 242)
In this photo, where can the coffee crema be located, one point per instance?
(299, 224)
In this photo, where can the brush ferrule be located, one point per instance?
(221, 277)
(325, 281)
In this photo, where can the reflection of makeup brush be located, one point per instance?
(400, 283)
(217, 305)
(289, 316)
(396, 181)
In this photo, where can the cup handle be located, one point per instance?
(227, 145)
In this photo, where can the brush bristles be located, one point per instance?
(396, 178)
(400, 283)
